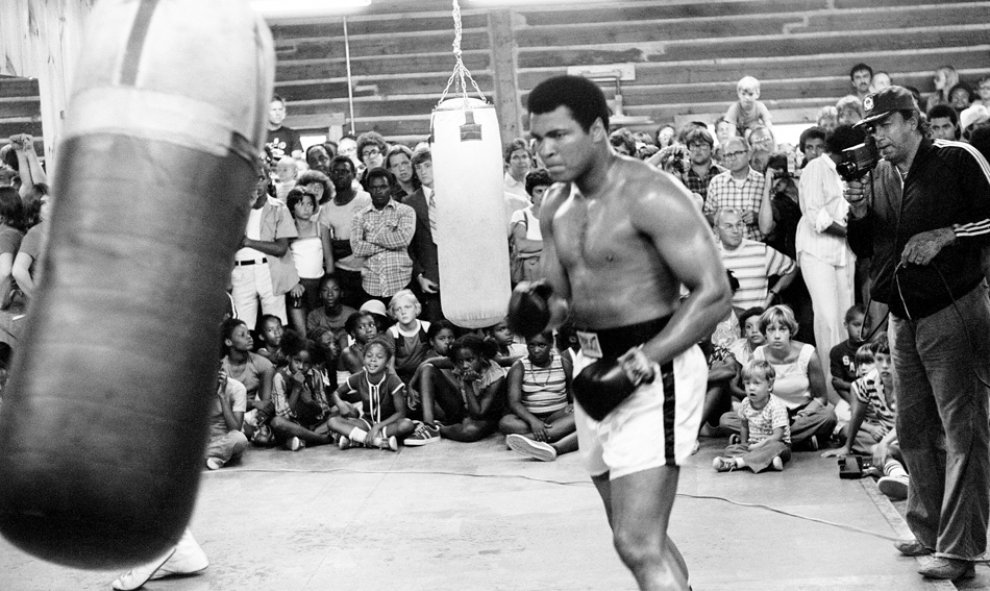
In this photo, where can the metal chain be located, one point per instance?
(460, 73)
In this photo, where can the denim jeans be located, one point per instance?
(942, 423)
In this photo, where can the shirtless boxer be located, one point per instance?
(620, 238)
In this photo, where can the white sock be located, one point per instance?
(358, 434)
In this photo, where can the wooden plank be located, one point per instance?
(18, 87)
(421, 84)
(925, 60)
(507, 107)
(378, 27)
(653, 31)
(372, 67)
(317, 90)
(758, 47)
(651, 11)
(852, 4)
(9, 128)
(888, 18)
(20, 108)
(396, 45)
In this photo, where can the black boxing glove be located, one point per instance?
(603, 385)
(530, 308)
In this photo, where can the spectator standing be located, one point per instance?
(282, 140)
(861, 75)
(381, 233)
(740, 188)
(337, 215)
(828, 266)
(923, 221)
(518, 161)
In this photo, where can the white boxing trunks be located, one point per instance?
(657, 425)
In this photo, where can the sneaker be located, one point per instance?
(724, 464)
(344, 442)
(911, 548)
(390, 443)
(894, 487)
(214, 463)
(734, 439)
(423, 435)
(294, 444)
(948, 569)
(538, 450)
(777, 464)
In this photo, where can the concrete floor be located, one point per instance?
(478, 517)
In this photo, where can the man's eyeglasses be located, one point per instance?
(735, 154)
(370, 152)
(701, 146)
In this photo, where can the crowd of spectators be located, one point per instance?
(335, 331)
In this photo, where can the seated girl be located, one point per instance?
(361, 327)
(467, 400)
(256, 374)
(540, 422)
(301, 407)
(799, 383)
(508, 349)
(372, 403)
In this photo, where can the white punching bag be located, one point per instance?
(471, 217)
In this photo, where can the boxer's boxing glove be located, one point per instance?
(602, 386)
(530, 308)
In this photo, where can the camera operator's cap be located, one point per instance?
(972, 115)
(880, 104)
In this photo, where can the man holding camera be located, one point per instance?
(923, 217)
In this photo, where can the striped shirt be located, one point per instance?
(753, 263)
(544, 389)
(762, 422)
(869, 390)
(724, 191)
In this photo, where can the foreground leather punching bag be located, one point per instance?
(103, 423)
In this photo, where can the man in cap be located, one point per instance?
(923, 218)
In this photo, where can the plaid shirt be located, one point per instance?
(723, 191)
(383, 237)
(699, 184)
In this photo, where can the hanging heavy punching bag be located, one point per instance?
(103, 423)
(472, 246)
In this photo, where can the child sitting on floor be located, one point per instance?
(540, 422)
(508, 349)
(408, 335)
(469, 398)
(372, 403)
(361, 327)
(873, 409)
(301, 407)
(270, 332)
(765, 428)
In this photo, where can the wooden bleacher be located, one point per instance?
(688, 56)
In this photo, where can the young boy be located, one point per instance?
(842, 357)
(873, 409)
(748, 112)
(765, 427)
(372, 403)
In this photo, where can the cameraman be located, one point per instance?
(922, 218)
